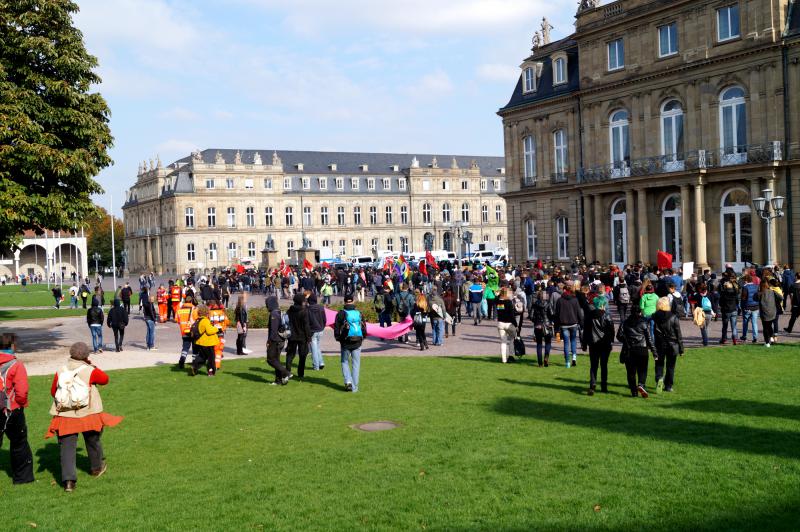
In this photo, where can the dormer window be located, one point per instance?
(332, 167)
(364, 168)
(299, 166)
(559, 70)
(395, 168)
(529, 80)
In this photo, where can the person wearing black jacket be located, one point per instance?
(598, 332)
(569, 314)
(125, 294)
(275, 342)
(150, 317)
(317, 321)
(634, 334)
(668, 343)
(729, 297)
(349, 330)
(118, 320)
(542, 318)
(301, 334)
(94, 318)
(794, 291)
(241, 316)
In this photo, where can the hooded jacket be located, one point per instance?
(16, 382)
(316, 317)
(117, 317)
(299, 323)
(94, 316)
(635, 333)
(274, 320)
(568, 311)
(667, 330)
(766, 304)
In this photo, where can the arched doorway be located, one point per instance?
(447, 241)
(428, 241)
(671, 228)
(736, 228)
(619, 233)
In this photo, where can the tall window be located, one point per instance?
(306, 181)
(728, 22)
(464, 184)
(560, 149)
(251, 249)
(231, 250)
(212, 251)
(390, 244)
(323, 183)
(386, 183)
(616, 55)
(287, 183)
(373, 215)
(562, 237)
(560, 71)
(229, 184)
(465, 212)
(357, 246)
(530, 233)
(339, 183)
(189, 217)
(210, 183)
(268, 183)
(289, 247)
(389, 216)
(342, 247)
(354, 183)
(374, 244)
(736, 229)
(404, 214)
(530, 158)
(485, 214)
(323, 215)
(619, 233)
(484, 185)
(357, 215)
(248, 184)
(403, 244)
(250, 215)
(426, 213)
(733, 125)
(671, 228)
(231, 217)
(620, 143)
(289, 212)
(212, 216)
(268, 219)
(401, 184)
(668, 39)
(326, 243)
(370, 183)
(446, 213)
(498, 213)
(672, 134)
(340, 215)
(190, 254)
(529, 79)
(306, 215)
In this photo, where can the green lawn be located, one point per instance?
(40, 313)
(483, 446)
(41, 296)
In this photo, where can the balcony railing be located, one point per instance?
(560, 178)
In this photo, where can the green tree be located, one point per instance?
(54, 134)
(98, 239)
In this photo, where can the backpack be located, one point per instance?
(72, 393)
(379, 302)
(352, 324)
(699, 317)
(6, 395)
(402, 303)
(624, 296)
(284, 329)
(705, 302)
(194, 330)
(519, 306)
(420, 319)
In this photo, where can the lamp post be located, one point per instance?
(769, 208)
(96, 257)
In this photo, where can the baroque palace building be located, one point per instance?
(220, 207)
(654, 126)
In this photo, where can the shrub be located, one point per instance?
(366, 308)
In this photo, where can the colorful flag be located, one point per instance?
(664, 260)
(422, 268)
(430, 260)
(307, 265)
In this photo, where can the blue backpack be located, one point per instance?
(705, 303)
(353, 322)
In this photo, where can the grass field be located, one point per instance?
(39, 295)
(39, 313)
(482, 446)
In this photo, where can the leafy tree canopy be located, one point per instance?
(54, 133)
(98, 239)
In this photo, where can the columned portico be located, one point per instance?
(644, 251)
(701, 258)
(686, 228)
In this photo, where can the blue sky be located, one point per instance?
(349, 75)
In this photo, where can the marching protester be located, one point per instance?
(750, 308)
(542, 318)
(125, 294)
(317, 322)
(634, 334)
(506, 324)
(668, 342)
(13, 401)
(349, 330)
(300, 334)
(78, 409)
(276, 338)
(206, 337)
(117, 321)
(437, 316)
(241, 317)
(420, 313)
(95, 318)
(150, 318)
(569, 314)
(768, 311)
(404, 303)
(599, 336)
(729, 308)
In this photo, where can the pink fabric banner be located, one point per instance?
(375, 330)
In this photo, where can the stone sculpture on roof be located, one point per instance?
(276, 161)
(237, 159)
(257, 158)
(435, 162)
(583, 5)
(218, 159)
(537, 40)
(197, 157)
(546, 27)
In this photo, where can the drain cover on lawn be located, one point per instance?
(375, 426)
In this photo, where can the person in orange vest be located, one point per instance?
(218, 317)
(174, 301)
(161, 299)
(187, 314)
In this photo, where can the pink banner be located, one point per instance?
(375, 330)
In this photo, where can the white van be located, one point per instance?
(362, 261)
(441, 254)
(482, 256)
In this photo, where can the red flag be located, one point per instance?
(239, 268)
(388, 263)
(422, 268)
(664, 260)
(325, 265)
(430, 260)
(307, 265)
(285, 270)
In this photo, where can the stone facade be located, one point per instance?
(675, 116)
(221, 207)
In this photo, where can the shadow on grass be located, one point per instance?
(610, 384)
(738, 406)
(782, 444)
(49, 459)
(323, 382)
(580, 390)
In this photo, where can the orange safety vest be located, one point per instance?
(161, 296)
(218, 318)
(175, 293)
(187, 314)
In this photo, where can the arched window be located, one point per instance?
(562, 237)
(485, 213)
(672, 135)
(736, 229)
(733, 126)
(619, 232)
(620, 143)
(530, 159)
(446, 213)
(465, 212)
(671, 228)
(560, 149)
(532, 239)
(447, 241)
(231, 250)
(426, 213)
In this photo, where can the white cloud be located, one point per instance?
(497, 72)
(221, 114)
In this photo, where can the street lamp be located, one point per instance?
(96, 258)
(768, 208)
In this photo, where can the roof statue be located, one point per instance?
(537, 40)
(197, 157)
(435, 162)
(415, 162)
(152, 165)
(546, 27)
(473, 164)
(276, 161)
(218, 159)
(257, 158)
(237, 159)
(141, 170)
(583, 5)
(158, 162)
(454, 164)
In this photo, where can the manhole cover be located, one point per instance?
(375, 426)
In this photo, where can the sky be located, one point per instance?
(408, 76)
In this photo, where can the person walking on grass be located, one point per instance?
(420, 313)
(598, 333)
(768, 311)
(349, 330)
(117, 320)
(668, 342)
(542, 318)
(569, 314)
(404, 303)
(317, 322)
(57, 295)
(506, 324)
(634, 334)
(301, 334)
(206, 339)
(750, 308)
(78, 409)
(13, 401)
(187, 314)
(276, 338)
(95, 318)
(241, 317)
(150, 318)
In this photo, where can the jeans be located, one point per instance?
(354, 356)
(751, 317)
(150, 339)
(571, 333)
(73, 302)
(437, 328)
(542, 338)
(704, 328)
(317, 362)
(186, 345)
(729, 320)
(97, 337)
(69, 449)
